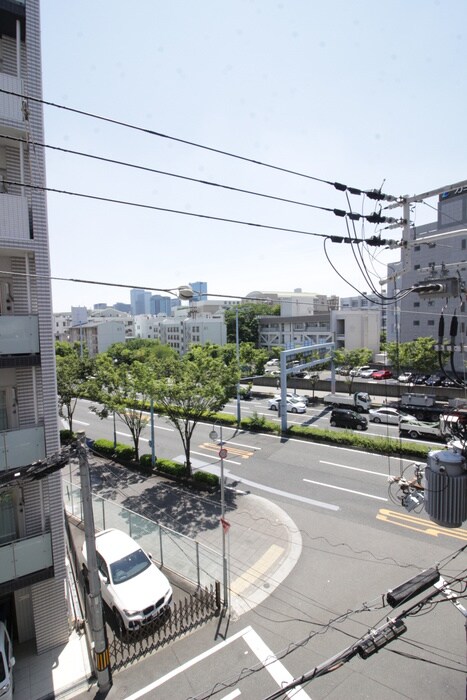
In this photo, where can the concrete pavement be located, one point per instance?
(263, 545)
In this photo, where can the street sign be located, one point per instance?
(223, 453)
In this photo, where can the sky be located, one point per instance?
(369, 94)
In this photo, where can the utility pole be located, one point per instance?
(98, 634)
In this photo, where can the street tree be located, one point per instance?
(72, 367)
(418, 355)
(123, 389)
(193, 388)
(353, 358)
(248, 320)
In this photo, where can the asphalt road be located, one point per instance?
(357, 544)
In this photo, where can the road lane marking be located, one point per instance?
(81, 422)
(232, 695)
(257, 646)
(427, 527)
(215, 447)
(340, 488)
(260, 567)
(203, 465)
(273, 666)
(278, 492)
(355, 469)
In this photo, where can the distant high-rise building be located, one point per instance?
(160, 305)
(140, 301)
(120, 306)
(200, 290)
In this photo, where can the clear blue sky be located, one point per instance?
(357, 92)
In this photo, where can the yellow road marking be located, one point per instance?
(411, 522)
(232, 451)
(257, 570)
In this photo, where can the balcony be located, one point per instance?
(14, 217)
(19, 335)
(18, 448)
(11, 113)
(25, 561)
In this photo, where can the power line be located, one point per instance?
(372, 194)
(372, 218)
(153, 207)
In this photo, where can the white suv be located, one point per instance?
(131, 584)
(7, 661)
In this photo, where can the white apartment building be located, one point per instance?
(148, 326)
(32, 533)
(98, 336)
(298, 303)
(182, 331)
(348, 329)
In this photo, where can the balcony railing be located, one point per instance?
(14, 217)
(25, 558)
(18, 448)
(10, 105)
(19, 335)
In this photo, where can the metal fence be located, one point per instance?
(184, 556)
(184, 616)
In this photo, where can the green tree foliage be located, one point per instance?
(139, 349)
(123, 389)
(248, 321)
(193, 388)
(73, 367)
(353, 358)
(419, 355)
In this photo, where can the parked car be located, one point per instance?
(345, 418)
(420, 378)
(343, 371)
(131, 584)
(382, 374)
(385, 414)
(366, 372)
(7, 661)
(293, 405)
(406, 377)
(448, 382)
(434, 380)
(357, 371)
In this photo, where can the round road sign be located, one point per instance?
(222, 453)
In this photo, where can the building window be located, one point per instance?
(431, 323)
(416, 248)
(416, 267)
(416, 304)
(463, 243)
(416, 323)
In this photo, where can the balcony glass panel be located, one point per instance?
(24, 557)
(19, 448)
(14, 217)
(19, 335)
(10, 105)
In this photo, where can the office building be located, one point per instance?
(200, 290)
(435, 252)
(32, 533)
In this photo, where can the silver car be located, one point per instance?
(385, 414)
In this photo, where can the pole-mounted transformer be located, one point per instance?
(446, 487)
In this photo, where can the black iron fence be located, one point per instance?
(183, 616)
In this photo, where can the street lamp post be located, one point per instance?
(153, 448)
(225, 526)
(115, 434)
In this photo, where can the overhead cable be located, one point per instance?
(153, 207)
(372, 193)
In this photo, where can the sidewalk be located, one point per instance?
(263, 545)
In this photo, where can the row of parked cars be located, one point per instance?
(367, 372)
